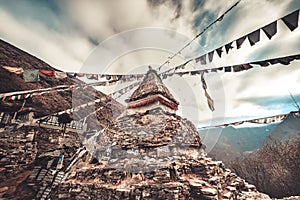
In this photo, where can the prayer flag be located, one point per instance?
(31, 75)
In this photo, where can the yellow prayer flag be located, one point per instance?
(15, 70)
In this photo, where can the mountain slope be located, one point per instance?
(274, 168)
(48, 103)
(229, 143)
(289, 128)
(14, 57)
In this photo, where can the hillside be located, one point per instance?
(274, 168)
(287, 129)
(47, 103)
(230, 143)
(15, 57)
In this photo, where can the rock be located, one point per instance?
(251, 187)
(3, 189)
(64, 196)
(227, 195)
(230, 188)
(209, 191)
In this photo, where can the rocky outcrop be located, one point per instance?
(155, 155)
(186, 178)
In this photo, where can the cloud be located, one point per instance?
(281, 103)
(73, 29)
(177, 4)
(59, 50)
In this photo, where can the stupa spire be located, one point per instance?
(152, 93)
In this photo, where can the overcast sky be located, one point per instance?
(66, 33)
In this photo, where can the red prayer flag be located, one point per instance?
(47, 72)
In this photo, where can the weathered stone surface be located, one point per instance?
(151, 155)
(173, 172)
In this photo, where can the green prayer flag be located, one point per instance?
(31, 75)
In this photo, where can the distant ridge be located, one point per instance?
(289, 128)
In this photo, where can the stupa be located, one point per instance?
(151, 94)
(151, 153)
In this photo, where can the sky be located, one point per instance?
(69, 34)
